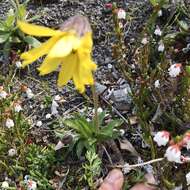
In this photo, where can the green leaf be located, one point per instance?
(108, 131)
(74, 124)
(79, 148)
(86, 125)
(154, 2)
(2, 26)
(187, 68)
(32, 41)
(115, 123)
(6, 49)
(183, 25)
(15, 39)
(9, 22)
(4, 37)
(21, 12)
(101, 117)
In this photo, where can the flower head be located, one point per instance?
(174, 70)
(70, 47)
(3, 94)
(9, 123)
(160, 13)
(161, 46)
(29, 93)
(54, 107)
(39, 123)
(162, 138)
(108, 5)
(121, 14)
(144, 41)
(12, 152)
(157, 84)
(31, 185)
(173, 154)
(5, 185)
(157, 31)
(17, 107)
(18, 64)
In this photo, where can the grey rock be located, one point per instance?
(122, 98)
(100, 88)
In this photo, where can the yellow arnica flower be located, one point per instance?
(69, 47)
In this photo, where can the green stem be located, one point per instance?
(95, 100)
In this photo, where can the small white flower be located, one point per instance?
(17, 107)
(99, 110)
(157, 84)
(144, 41)
(48, 116)
(174, 70)
(12, 152)
(39, 123)
(29, 93)
(121, 14)
(122, 132)
(126, 168)
(188, 178)
(18, 64)
(173, 154)
(54, 107)
(160, 13)
(162, 138)
(31, 185)
(9, 123)
(161, 46)
(42, 106)
(57, 98)
(88, 119)
(157, 31)
(5, 185)
(3, 94)
(110, 66)
(120, 25)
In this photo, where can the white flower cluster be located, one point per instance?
(173, 152)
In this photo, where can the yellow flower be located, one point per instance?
(70, 47)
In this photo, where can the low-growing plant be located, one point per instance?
(92, 168)
(10, 36)
(88, 135)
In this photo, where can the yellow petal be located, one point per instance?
(49, 65)
(86, 60)
(86, 77)
(86, 42)
(36, 30)
(63, 47)
(35, 53)
(68, 66)
(85, 69)
(77, 79)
